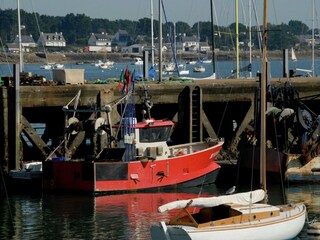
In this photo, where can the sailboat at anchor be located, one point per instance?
(199, 68)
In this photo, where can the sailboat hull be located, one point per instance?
(285, 226)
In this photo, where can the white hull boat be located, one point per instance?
(58, 66)
(106, 65)
(206, 61)
(199, 69)
(138, 61)
(235, 220)
(46, 67)
(184, 72)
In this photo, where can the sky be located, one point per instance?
(189, 11)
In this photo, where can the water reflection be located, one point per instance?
(125, 216)
(309, 194)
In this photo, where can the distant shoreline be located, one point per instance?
(120, 57)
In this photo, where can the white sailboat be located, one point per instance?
(306, 72)
(199, 68)
(237, 216)
(293, 55)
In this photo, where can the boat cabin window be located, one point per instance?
(155, 134)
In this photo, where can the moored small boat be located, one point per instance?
(199, 69)
(137, 61)
(231, 217)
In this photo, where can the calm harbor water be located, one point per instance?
(125, 216)
(223, 69)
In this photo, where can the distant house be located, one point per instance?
(99, 42)
(188, 43)
(51, 40)
(13, 47)
(27, 42)
(135, 48)
(307, 39)
(122, 38)
(204, 47)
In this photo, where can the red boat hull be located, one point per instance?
(186, 170)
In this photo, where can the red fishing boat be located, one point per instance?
(155, 165)
(141, 159)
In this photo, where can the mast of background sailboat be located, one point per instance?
(160, 40)
(152, 37)
(175, 43)
(199, 43)
(312, 68)
(237, 39)
(173, 46)
(250, 39)
(20, 40)
(263, 104)
(213, 43)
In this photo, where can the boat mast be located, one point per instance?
(199, 43)
(250, 39)
(237, 39)
(312, 68)
(152, 37)
(213, 43)
(263, 90)
(19, 35)
(175, 43)
(160, 40)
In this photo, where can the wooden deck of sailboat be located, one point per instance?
(224, 215)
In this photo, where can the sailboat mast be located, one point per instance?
(237, 38)
(198, 42)
(152, 37)
(19, 34)
(213, 43)
(175, 42)
(160, 40)
(250, 39)
(312, 68)
(263, 104)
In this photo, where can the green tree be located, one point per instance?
(298, 28)
(78, 28)
(183, 28)
(280, 37)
